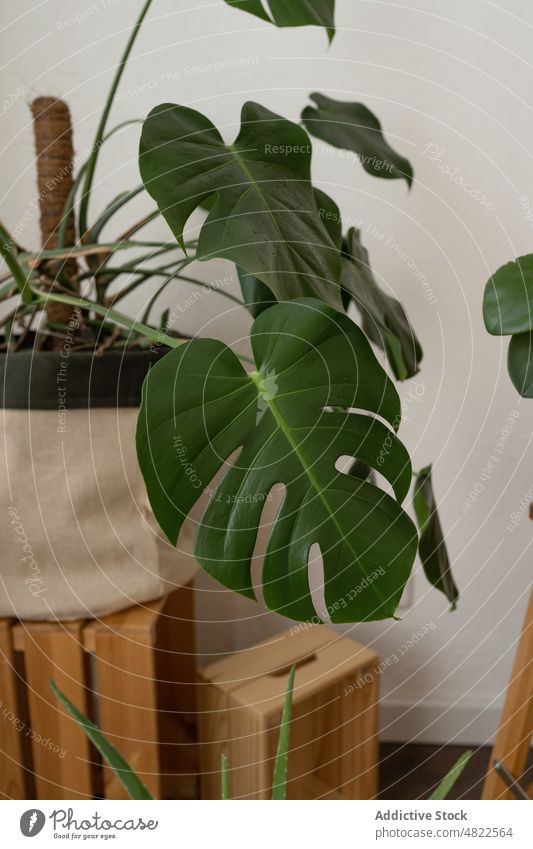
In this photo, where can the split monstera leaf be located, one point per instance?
(265, 216)
(200, 406)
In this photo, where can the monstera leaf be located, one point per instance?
(354, 127)
(292, 13)
(432, 548)
(508, 311)
(265, 217)
(199, 407)
(383, 317)
(256, 295)
(520, 363)
(508, 298)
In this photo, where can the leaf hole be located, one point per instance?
(315, 571)
(269, 512)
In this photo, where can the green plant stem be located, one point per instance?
(212, 288)
(224, 778)
(19, 276)
(449, 780)
(163, 272)
(8, 289)
(91, 164)
(279, 786)
(69, 203)
(115, 205)
(153, 299)
(90, 250)
(141, 223)
(118, 317)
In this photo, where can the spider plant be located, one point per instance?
(108, 270)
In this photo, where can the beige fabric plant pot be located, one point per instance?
(78, 536)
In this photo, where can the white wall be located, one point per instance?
(458, 78)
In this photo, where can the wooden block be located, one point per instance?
(333, 751)
(12, 724)
(62, 761)
(516, 727)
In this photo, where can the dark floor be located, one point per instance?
(409, 771)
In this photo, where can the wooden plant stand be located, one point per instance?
(516, 727)
(333, 744)
(132, 672)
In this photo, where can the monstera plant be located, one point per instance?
(315, 393)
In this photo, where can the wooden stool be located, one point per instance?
(132, 672)
(334, 743)
(513, 740)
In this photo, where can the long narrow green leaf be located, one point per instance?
(19, 275)
(279, 787)
(68, 208)
(8, 289)
(224, 778)
(116, 204)
(91, 249)
(112, 315)
(449, 780)
(133, 786)
(91, 164)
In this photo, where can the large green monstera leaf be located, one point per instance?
(292, 13)
(265, 217)
(352, 126)
(508, 311)
(199, 407)
(384, 319)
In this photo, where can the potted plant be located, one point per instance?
(291, 416)
(80, 539)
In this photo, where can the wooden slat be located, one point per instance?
(239, 733)
(145, 678)
(516, 727)
(358, 769)
(127, 698)
(175, 657)
(12, 782)
(61, 753)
